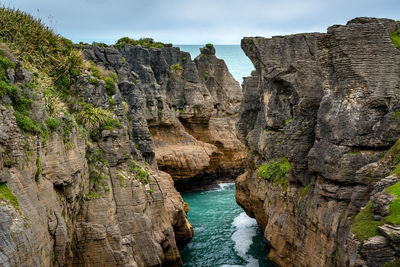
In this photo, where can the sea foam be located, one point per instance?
(246, 229)
(223, 186)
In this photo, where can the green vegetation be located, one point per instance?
(364, 226)
(145, 42)
(100, 44)
(141, 174)
(92, 195)
(396, 114)
(275, 171)
(353, 152)
(39, 48)
(7, 196)
(395, 263)
(93, 81)
(52, 123)
(288, 120)
(304, 192)
(177, 68)
(395, 36)
(94, 118)
(209, 45)
(394, 207)
(94, 156)
(110, 86)
(304, 35)
(206, 74)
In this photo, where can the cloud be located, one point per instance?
(180, 21)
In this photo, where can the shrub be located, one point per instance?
(25, 123)
(93, 81)
(52, 123)
(141, 174)
(275, 172)
(209, 45)
(99, 44)
(177, 68)
(95, 118)
(395, 36)
(145, 42)
(110, 86)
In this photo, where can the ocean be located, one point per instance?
(223, 234)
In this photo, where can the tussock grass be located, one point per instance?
(39, 48)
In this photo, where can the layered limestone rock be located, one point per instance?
(184, 111)
(319, 114)
(84, 197)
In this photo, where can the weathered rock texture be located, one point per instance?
(87, 201)
(183, 111)
(327, 103)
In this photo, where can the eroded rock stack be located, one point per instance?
(320, 115)
(186, 110)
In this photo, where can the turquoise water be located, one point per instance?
(238, 63)
(223, 234)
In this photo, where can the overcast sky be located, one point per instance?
(197, 22)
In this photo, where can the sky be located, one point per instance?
(197, 22)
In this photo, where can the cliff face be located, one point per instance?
(319, 115)
(82, 179)
(186, 110)
(81, 194)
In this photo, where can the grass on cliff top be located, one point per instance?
(395, 36)
(275, 171)
(364, 226)
(145, 42)
(36, 44)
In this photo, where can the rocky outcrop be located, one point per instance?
(82, 194)
(319, 115)
(184, 111)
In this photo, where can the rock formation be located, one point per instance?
(84, 145)
(320, 117)
(186, 110)
(80, 202)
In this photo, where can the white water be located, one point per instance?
(246, 229)
(223, 234)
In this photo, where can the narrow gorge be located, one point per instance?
(97, 143)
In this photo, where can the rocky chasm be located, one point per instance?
(85, 177)
(320, 118)
(94, 145)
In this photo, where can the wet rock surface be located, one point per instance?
(327, 104)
